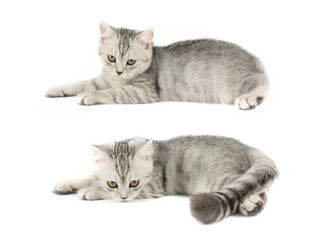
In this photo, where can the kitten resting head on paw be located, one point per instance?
(123, 168)
(125, 53)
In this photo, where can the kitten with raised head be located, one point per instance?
(203, 70)
(220, 174)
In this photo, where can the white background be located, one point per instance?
(46, 43)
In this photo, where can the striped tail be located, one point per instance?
(213, 207)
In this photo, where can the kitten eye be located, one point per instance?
(131, 62)
(112, 184)
(111, 58)
(134, 183)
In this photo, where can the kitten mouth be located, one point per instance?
(119, 78)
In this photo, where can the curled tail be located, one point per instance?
(213, 207)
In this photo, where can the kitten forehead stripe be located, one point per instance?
(121, 152)
(123, 46)
(125, 36)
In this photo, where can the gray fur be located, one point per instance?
(220, 174)
(120, 153)
(203, 70)
(207, 207)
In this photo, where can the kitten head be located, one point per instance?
(125, 53)
(123, 168)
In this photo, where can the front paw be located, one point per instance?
(58, 91)
(89, 193)
(64, 188)
(87, 98)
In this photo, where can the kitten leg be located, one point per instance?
(74, 89)
(93, 193)
(252, 99)
(127, 94)
(72, 186)
(254, 204)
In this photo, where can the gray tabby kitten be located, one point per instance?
(221, 174)
(204, 70)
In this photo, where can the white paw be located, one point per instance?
(64, 188)
(253, 204)
(87, 98)
(88, 193)
(246, 102)
(58, 91)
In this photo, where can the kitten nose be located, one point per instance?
(124, 197)
(119, 73)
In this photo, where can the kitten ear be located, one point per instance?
(145, 38)
(101, 152)
(106, 32)
(144, 150)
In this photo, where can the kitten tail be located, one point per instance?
(206, 207)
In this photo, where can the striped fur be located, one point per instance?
(220, 174)
(203, 70)
(121, 153)
(125, 36)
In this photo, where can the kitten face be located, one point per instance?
(125, 53)
(123, 168)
